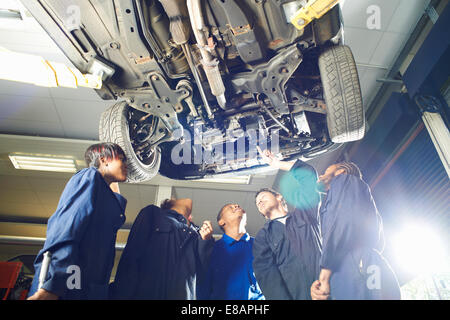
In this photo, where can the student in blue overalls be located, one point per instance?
(81, 234)
(352, 266)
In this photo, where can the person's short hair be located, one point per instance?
(270, 190)
(106, 150)
(167, 204)
(350, 168)
(275, 193)
(219, 216)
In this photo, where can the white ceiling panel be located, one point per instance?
(369, 85)
(356, 13)
(363, 42)
(48, 53)
(389, 47)
(73, 117)
(31, 37)
(11, 195)
(31, 127)
(23, 89)
(23, 209)
(27, 108)
(46, 184)
(361, 71)
(81, 93)
(147, 194)
(13, 182)
(407, 15)
(47, 198)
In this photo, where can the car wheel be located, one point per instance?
(342, 93)
(116, 123)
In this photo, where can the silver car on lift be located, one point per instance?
(220, 70)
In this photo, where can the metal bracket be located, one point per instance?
(99, 68)
(432, 13)
(159, 100)
(246, 43)
(270, 78)
(428, 103)
(430, 107)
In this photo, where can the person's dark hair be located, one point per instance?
(167, 204)
(219, 216)
(350, 168)
(106, 150)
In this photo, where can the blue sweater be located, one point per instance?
(230, 274)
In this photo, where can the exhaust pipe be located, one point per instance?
(209, 62)
(179, 20)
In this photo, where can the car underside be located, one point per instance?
(200, 83)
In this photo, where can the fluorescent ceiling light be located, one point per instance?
(11, 9)
(10, 14)
(14, 16)
(232, 180)
(43, 163)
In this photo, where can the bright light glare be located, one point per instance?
(33, 69)
(419, 250)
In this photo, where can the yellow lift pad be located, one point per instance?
(314, 9)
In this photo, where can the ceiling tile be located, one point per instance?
(48, 198)
(22, 209)
(356, 13)
(407, 15)
(24, 196)
(49, 210)
(27, 108)
(147, 195)
(363, 42)
(12, 182)
(361, 71)
(369, 85)
(11, 37)
(46, 52)
(76, 114)
(80, 93)
(131, 212)
(47, 184)
(30, 127)
(23, 89)
(388, 49)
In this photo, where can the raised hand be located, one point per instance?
(269, 158)
(206, 230)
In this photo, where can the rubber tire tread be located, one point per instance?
(113, 127)
(342, 92)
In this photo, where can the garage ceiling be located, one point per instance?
(65, 121)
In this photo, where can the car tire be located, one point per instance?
(342, 93)
(114, 128)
